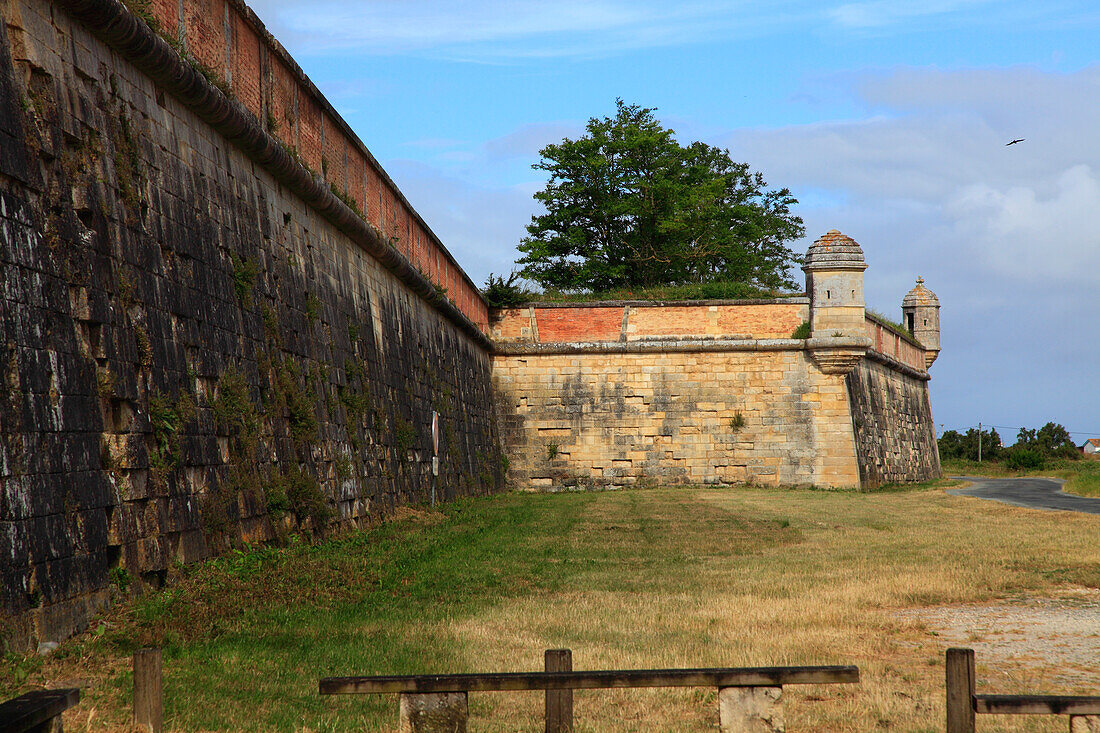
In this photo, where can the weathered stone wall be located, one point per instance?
(892, 417)
(611, 394)
(191, 355)
(673, 417)
(231, 45)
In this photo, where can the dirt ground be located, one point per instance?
(1050, 641)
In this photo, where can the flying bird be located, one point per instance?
(1017, 140)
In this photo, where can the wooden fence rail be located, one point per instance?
(38, 711)
(963, 702)
(749, 698)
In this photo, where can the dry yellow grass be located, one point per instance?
(706, 577)
(831, 598)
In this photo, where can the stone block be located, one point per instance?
(1084, 724)
(750, 710)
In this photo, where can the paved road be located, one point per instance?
(1034, 493)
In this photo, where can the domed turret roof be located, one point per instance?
(834, 251)
(920, 295)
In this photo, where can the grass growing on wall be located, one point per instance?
(695, 291)
(631, 579)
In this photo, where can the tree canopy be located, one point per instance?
(628, 206)
(1032, 446)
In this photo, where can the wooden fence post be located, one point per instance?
(148, 702)
(959, 675)
(559, 703)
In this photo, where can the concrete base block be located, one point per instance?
(1084, 724)
(750, 710)
(441, 712)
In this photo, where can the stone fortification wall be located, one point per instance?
(892, 417)
(200, 343)
(230, 44)
(616, 394)
(891, 410)
(613, 394)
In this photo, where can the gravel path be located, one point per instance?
(1035, 634)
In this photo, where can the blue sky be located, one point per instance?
(887, 119)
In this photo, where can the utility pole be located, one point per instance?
(979, 442)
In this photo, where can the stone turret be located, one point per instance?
(920, 309)
(834, 281)
(834, 268)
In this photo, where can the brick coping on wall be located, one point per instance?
(896, 365)
(252, 19)
(114, 24)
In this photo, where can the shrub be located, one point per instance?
(501, 293)
(802, 332)
(305, 498)
(244, 277)
(235, 414)
(1023, 459)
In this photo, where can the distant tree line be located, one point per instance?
(1031, 450)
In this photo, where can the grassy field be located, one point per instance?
(644, 578)
(1082, 476)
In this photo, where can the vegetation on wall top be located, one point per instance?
(510, 293)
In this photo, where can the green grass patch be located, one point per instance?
(897, 326)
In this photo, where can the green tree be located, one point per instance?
(965, 446)
(1051, 440)
(628, 206)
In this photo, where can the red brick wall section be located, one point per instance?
(265, 80)
(886, 342)
(558, 325)
(205, 36)
(246, 75)
(167, 12)
(592, 322)
(280, 106)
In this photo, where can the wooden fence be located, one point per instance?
(963, 703)
(37, 712)
(40, 711)
(749, 698)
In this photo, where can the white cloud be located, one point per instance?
(566, 27)
(528, 140)
(501, 30)
(938, 134)
(1030, 236)
(880, 13)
